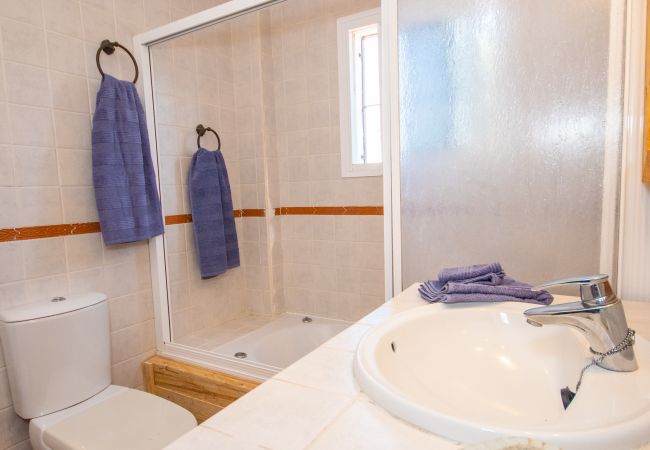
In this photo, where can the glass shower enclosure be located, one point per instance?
(264, 76)
(510, 125)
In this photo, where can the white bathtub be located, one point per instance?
(282, 341)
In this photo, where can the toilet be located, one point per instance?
(58, 356)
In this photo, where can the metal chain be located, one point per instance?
(628, 341)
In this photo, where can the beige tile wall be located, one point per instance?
(48, 82)
(306, 94)
(255, 125)
(332, 265)
(213, 76)
(193, 83)
(280, 84)
(274, 100)
(280, 141)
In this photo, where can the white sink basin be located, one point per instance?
(473, 373)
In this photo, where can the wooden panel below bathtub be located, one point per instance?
(201, 391)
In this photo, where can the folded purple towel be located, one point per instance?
(481, 273)
(480, 283)
(509, 291)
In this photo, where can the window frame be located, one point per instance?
(348, 98)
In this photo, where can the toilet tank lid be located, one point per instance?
(52, 306)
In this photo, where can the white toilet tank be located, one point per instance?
(57, 351)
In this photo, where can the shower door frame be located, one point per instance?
(159, 264)
(625, 244)
(159, 267)
(634, 220)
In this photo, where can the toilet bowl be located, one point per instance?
(58, 354)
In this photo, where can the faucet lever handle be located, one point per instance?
(594, 289)
(581, 280)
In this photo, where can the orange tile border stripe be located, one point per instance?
(251, 213)
(72, 229)
(178, 219)
(46, 231)
(187, 218)
(330, 211)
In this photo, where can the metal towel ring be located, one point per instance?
(109, 48)
(200, 130)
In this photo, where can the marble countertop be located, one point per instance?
(316, 403)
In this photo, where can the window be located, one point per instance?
(360, 94)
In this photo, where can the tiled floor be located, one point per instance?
(211, 337)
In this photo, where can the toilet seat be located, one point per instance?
(116, 418)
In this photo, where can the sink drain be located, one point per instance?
(241, 355)
(306, 319)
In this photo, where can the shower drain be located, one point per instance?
(241, 355)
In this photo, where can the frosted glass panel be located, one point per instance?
(504, 114)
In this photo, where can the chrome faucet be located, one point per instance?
(599, 316)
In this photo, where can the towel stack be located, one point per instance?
(480, 283)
